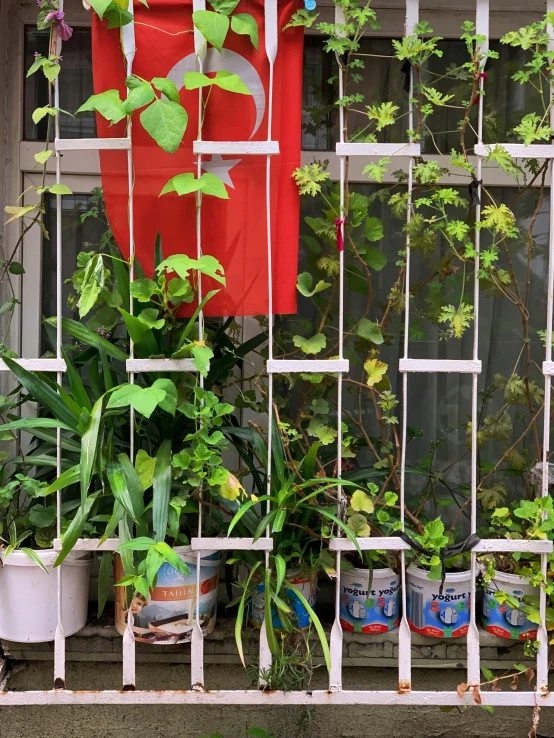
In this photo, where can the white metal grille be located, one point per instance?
(335, 694)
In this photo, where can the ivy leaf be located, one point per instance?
(147, 400)
(361, 502)
(202, 356)
(245, 25)
(168, 88)
(210, 184)
(232, 489)
(18, 212)
(108, 104)
(100, 7)
(92, 285)
(376, 370)
(531, 129)
(139, 96)
(143, 289)
(320, 430)
(166, 122)
(370, 331)
(304, 285)
(499, 218)
(377, 171)
(224, 6)
(459, 318)
(359, 526)
(169, 403)
(182, 184)
(149, 316)
(51, 70)
(117, 16)
(144, 467)
(436, 97)
(59, 189)
(213, 26)
(311, 345)
(374, 258)
(309, 178)
(42, 156)
(41, 516)
(230, 82)
(373, 229)
(383, 114)
(39, 113)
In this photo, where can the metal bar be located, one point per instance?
(92, 144)
(231, 544)
(160, 365)
(458, 366)
(59, 638)
(37, 365)
(244, 148)
(197, 637)
(129, 49)
(265, 699)
(542, 634)
(548, 368)
(378, 149)
(89, 544)
(518, 151)
(487, 545)
(308, 366)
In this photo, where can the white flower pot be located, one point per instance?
(29, 596)
(365, 609)
(169, 614)
(443, 615)
(501, 619)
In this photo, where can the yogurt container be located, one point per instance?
(168, 615)
(369, 609)
(304, 583)
(443, 615)
(501, 619)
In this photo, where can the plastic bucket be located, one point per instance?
(306, 584)
(443, 615)
(169, 614)
(365, 609)
(29, 596)
(501, 619)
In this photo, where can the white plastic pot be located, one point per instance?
(169, 614)
(29, 596)
(365, 609)
(443, 615)
(501, 619)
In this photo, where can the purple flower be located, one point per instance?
(64, 31)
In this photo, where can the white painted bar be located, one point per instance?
(89, 544)
(92, 144)
(370, 544)
(518, 151)
(259, 697)
(244, 148)
(308, 366)
(378, 149)
(457, 366)
(503, 545)
(548, 368)
(37, 365)
(231, 544)
(160, 365)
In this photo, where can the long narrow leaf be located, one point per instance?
(161, 491)
(243, 509)
(120, 491)
(89, 446)
(113, 522)
(121, 274)
(75, 529)
(133, 485)
(331, 516)
(240, 614)
(77, 387)
(30, 424)
(42, 392)
(91, 338)
(317, 624)
(104, 580)
(69, 477)
(268, 615)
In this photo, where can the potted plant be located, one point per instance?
(28, 587)
(439, 589)
(370, 582)
(511, 582)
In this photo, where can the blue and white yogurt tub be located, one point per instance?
(432, 613)
(369, 609)
(499, 618)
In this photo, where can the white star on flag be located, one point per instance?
(221, 167)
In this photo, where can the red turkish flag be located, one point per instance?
(234, 230)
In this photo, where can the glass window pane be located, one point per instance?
(78, 234)
(75, 85)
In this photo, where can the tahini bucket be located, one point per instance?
(304, 583)
(29, 596)
(169, 614)
(443, 615)
(501, 619)
(369, 609)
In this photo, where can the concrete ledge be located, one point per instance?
(102, 643)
